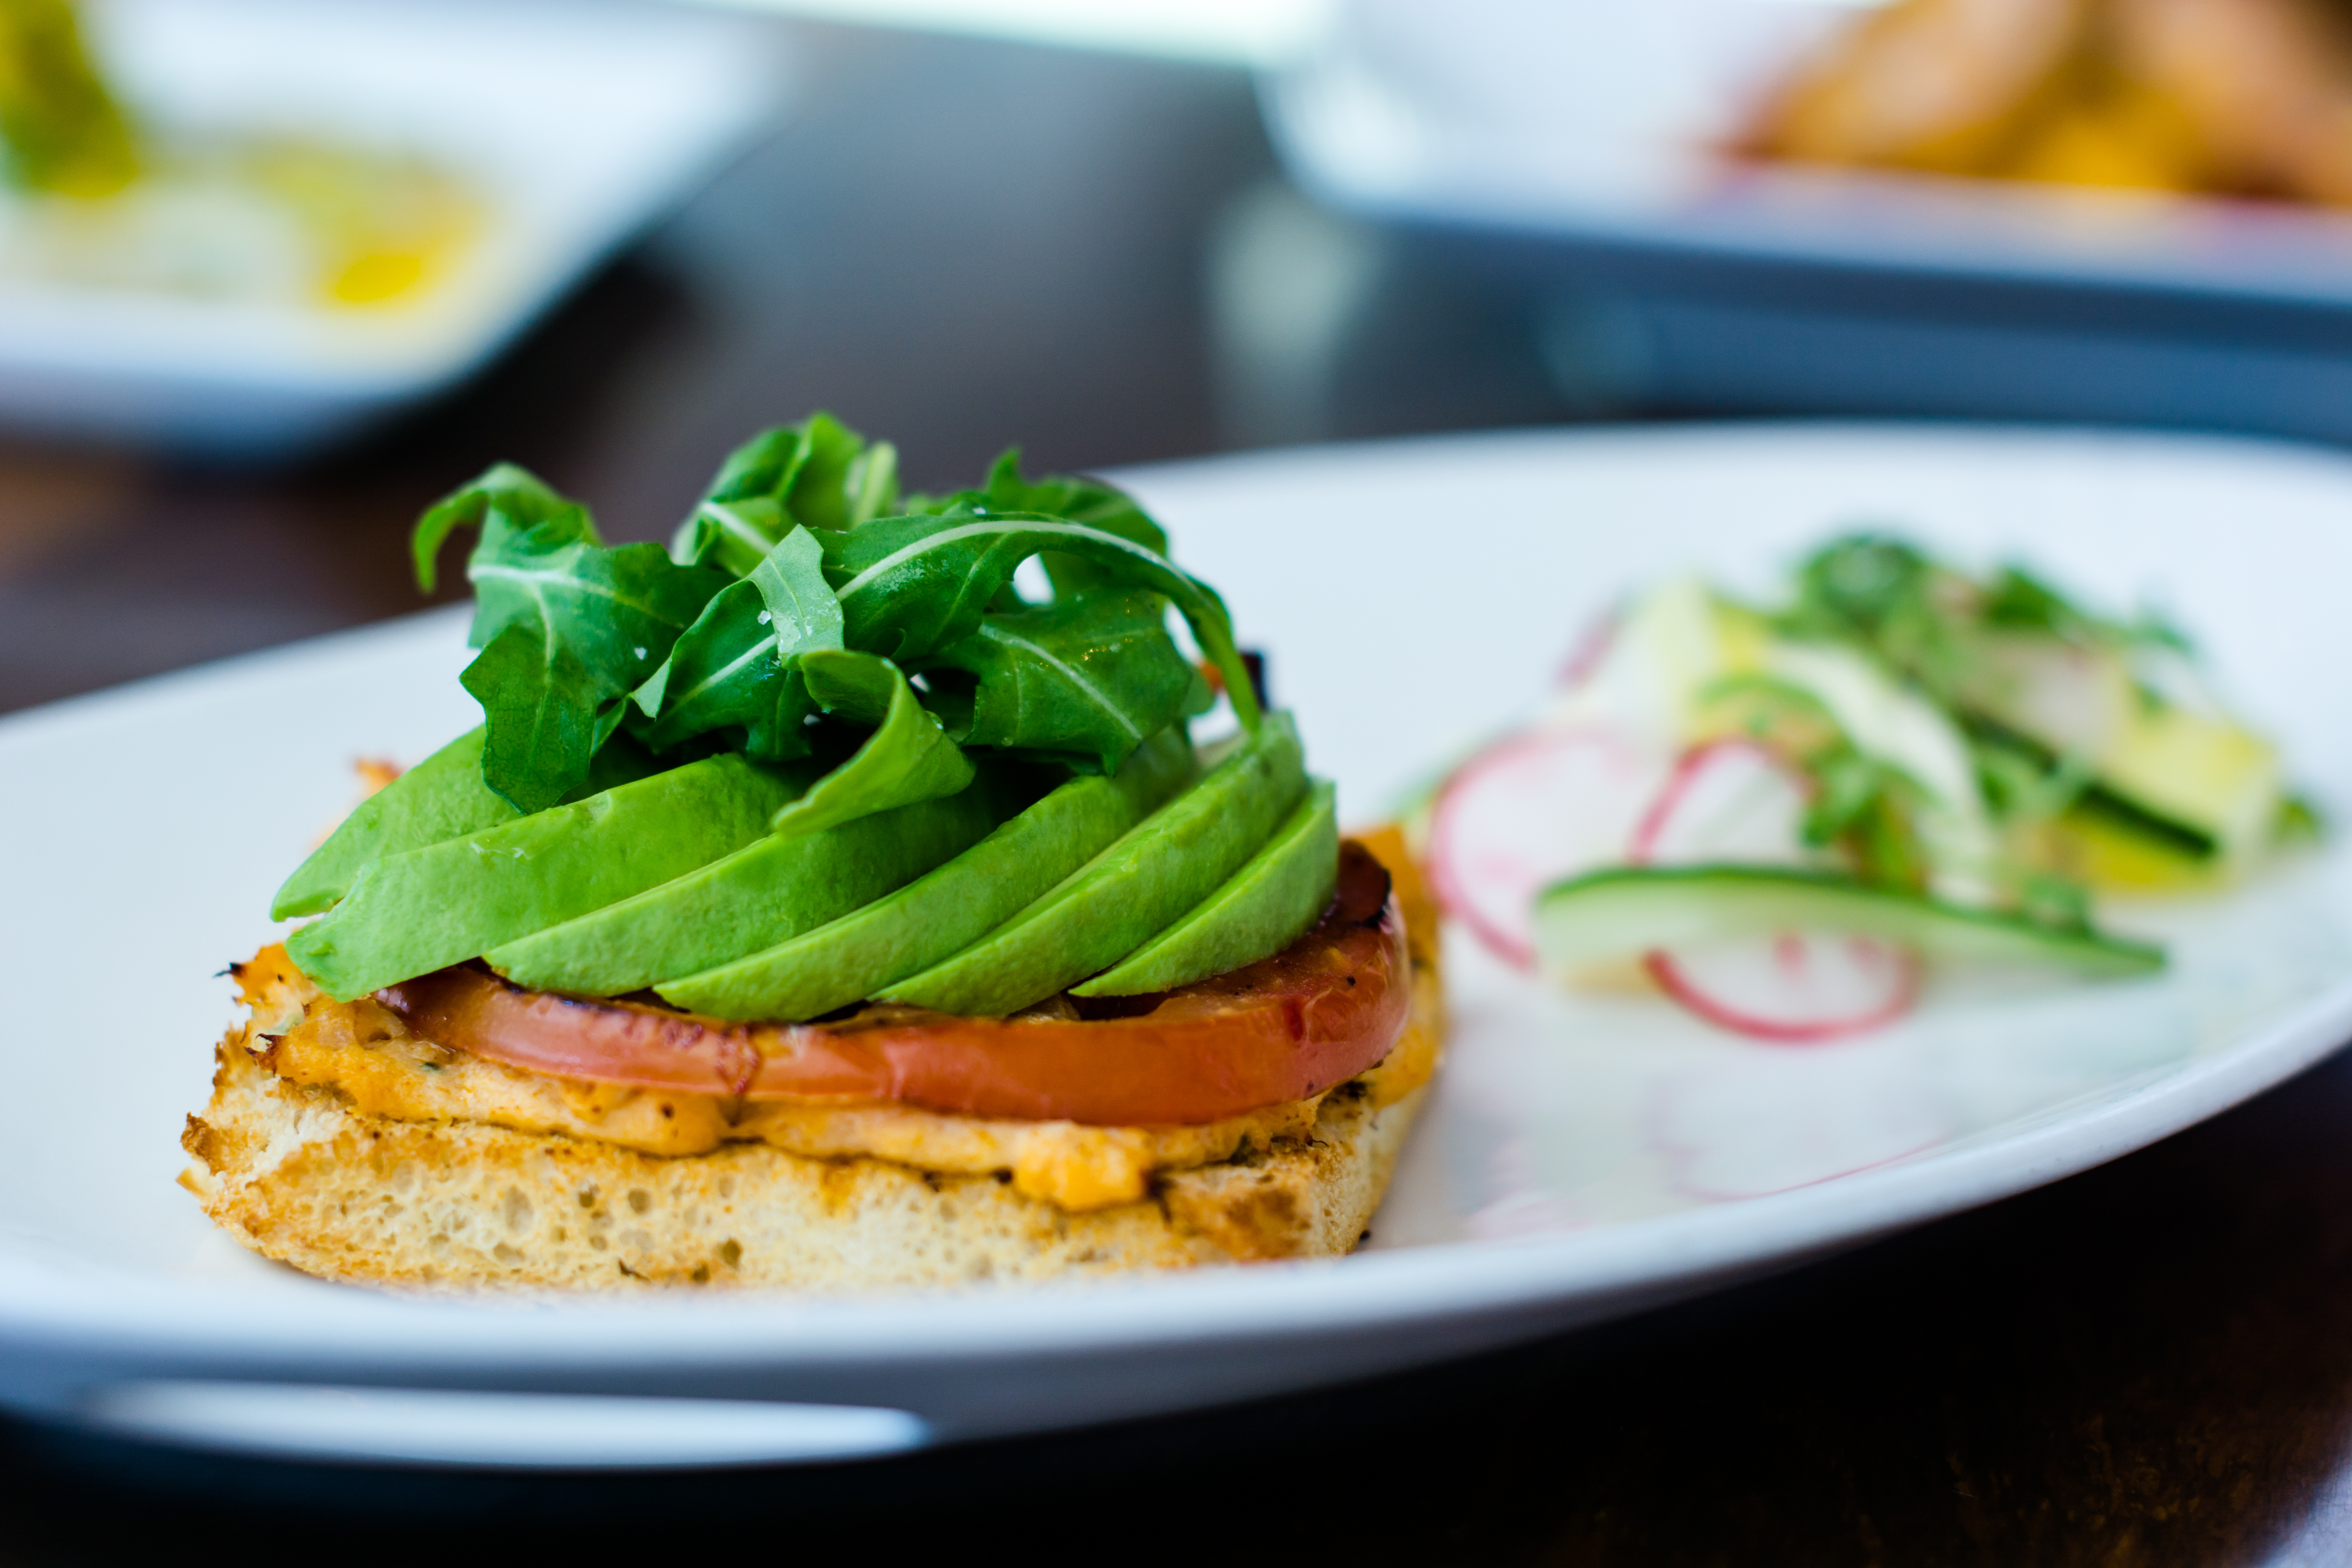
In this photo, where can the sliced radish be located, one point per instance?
(1733, 801)
(1592, 646)
(1726, 800)
(1527, 810)
(1796, 988)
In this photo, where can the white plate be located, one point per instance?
(577, 122)
(1582, 1159)
(1577, 144)
(1607, 120)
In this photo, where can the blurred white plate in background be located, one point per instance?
(1580, 117)
(1575, 147)
(576, 123)
(1582, 1157)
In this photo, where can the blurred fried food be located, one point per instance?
(2240, 97)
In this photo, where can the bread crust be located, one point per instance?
(291, 1172)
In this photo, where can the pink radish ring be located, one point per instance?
(1534, 808)
(1735, 800)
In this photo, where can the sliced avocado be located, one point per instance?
(1261, 909)
(770, 890)
(427, 908)
(2204, 774)
(963, 901)
(441, 797)
(2194, 785)
(2113, 845)
(908, 758)
(1130, 892)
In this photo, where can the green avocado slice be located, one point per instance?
(414, 912)
(961, 902)
(440, 798)
(1130, 892)
(770, 890)
(1261, 909)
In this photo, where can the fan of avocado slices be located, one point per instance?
(1965, 759)
(822, 751)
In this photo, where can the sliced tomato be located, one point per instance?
(1311, 1017)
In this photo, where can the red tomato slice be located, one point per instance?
(1311, 1017)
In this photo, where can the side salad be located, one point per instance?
(1778, 813)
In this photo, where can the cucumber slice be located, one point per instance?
(1627, 910)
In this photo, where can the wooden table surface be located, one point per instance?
(961, 245)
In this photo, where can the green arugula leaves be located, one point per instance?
(791, 617)
(1077, 500)
(911, 585)
(568, 627)
(735, 667)
(1085, 680)
(816, 474)
(518, 498)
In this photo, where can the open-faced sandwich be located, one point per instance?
(818, 907)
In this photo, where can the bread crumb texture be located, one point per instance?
(294, 1173)
(338, 1142)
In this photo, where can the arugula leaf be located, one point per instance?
(1864, 806)
(1884, 596)
(908, 758)
(1926, 621)
(802, 608)
(543, 713)
(910, 585)
(1088, 501)
(818, 474)
(567, 627)
(516, 496)
(733, 667)
(1091, 675)
(726, 672)
(578, 638)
